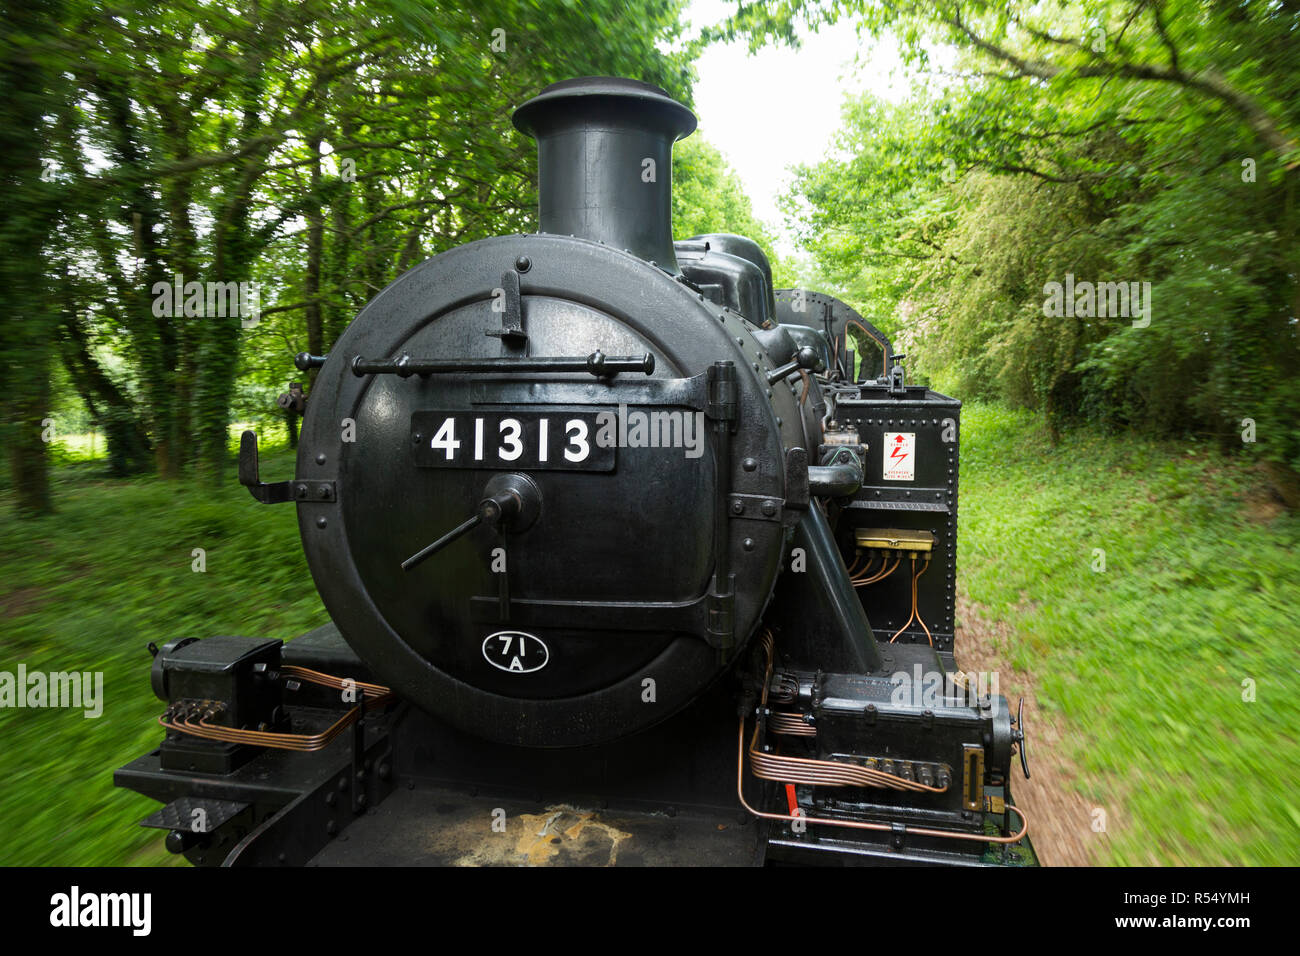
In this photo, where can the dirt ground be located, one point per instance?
(1060, 819)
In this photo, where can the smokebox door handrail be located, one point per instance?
(597, 363)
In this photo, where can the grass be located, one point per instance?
(1146, 665)
(87, 589)
(1141, 665)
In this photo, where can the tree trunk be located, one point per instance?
(156, 335)
(29, 459)
(128, 442)
(32, 206)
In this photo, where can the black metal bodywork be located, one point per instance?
(834, 319)
(926, 503)
(611, 637)
(421, 629)
(409, 789)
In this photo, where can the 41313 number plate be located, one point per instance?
(554, 438)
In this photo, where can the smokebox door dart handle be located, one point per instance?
(597, 363)
(494, 510)
(442, 542)
(510, 502)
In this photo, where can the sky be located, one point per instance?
(738, 96)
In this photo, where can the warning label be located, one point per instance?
(900, 456)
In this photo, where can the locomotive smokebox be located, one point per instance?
(604, 157)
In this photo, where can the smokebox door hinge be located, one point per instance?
(723, 392)
(720, 611)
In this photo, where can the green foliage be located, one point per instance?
(32, 208)
(87, 590)
(1121, 142)
(312, 149)
(871, 218)
(1142, 666)
(708, 196)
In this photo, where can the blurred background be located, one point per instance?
(1128, 535)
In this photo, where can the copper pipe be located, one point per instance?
(862, 824)
(373, 694)
(329, 680)
(769, 648)
(916, 576)
(790, 725)
(879, 575)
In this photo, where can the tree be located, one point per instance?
(33, 210)
(1142, 142)
(305, 151)
(708, 196)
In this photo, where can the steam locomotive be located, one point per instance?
(628, 558)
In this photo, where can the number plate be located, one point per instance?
(553, 439)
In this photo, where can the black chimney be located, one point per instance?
(604, 158)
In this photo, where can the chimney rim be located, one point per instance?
(531, 117)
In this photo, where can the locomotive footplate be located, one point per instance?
(445, 827)
(287, 806)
